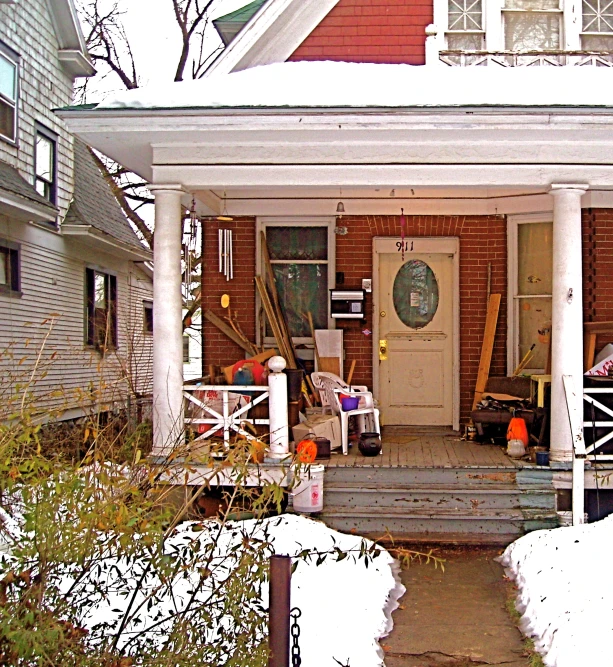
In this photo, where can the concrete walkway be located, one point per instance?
(455, 618)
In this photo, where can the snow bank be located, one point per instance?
(339, 84)
(346, 607)
(565, 592)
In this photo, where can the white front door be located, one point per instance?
(416, 297)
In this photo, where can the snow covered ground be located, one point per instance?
(566, 592)
(346, 606)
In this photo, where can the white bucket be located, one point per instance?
(308, 496)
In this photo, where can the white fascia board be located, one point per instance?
(195, 177)
(70, 36)
(76, 63)
(23, 209)
(96, 238)
(272, 35)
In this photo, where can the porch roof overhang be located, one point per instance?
(467, 157)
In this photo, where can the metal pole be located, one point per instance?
(279, 609)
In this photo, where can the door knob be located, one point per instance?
(383, 313)
(383, 350)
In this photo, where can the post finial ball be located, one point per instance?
(277, 364)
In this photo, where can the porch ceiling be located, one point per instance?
(295, 161)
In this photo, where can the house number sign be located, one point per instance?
(403, 246)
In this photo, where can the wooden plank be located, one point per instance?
(329, 365)
(350, 376)
(487, 347)
(271, 317)
(227, 330)
(312, 327)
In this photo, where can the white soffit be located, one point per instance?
(272, 35)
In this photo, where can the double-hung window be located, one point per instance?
(9, 90)
(9, 268)
(302, 258)
(532, 25)
(45, 163)
(101, 307)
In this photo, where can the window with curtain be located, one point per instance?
(300, 262)
(532, 25)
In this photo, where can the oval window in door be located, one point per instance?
(415, 294)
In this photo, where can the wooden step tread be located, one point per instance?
(436, 488)
(437, 513)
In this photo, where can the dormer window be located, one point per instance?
(9, 86)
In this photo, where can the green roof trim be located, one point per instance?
(230, 25)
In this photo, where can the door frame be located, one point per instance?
(444, 245)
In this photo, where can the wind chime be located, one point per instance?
(191, 234)
(226, 259)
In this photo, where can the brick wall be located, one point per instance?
(482, 240)
(217, 348)
(598, 267)
(27, 28)
(374, 31)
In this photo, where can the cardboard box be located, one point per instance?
(321, 426)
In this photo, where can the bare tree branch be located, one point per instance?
(138, 222)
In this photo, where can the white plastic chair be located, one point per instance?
(330, 388)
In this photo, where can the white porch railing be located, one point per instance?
(590, 396)
(579, 451)
(526, 59)
(220, 408)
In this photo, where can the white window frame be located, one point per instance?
(572, 23)
(513, 222)
(10, 56)
(295, 221)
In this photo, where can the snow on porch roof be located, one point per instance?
(364, 85)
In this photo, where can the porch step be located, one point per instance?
(477, 504)
(435, 496)
(437, 525)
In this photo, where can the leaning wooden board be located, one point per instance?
(487, 347)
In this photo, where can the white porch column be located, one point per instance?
(167, 320)
(277, 409)
(567, 313)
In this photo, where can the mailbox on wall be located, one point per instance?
(347, 303)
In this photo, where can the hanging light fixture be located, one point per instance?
(340, 207)
(225, 216)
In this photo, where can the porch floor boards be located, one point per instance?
(426, 447)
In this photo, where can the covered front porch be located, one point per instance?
(455, 172)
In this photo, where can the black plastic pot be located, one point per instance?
(369, 444)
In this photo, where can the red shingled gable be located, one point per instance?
(373, 31)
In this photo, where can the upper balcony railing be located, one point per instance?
(525, 59)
